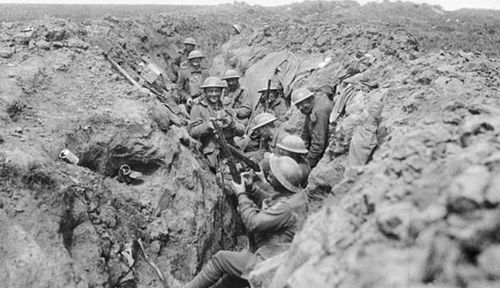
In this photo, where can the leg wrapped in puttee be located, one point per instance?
(222, 263)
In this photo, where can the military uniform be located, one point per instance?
(199, 129)
(315, 131)
(273, 227)
(179, 62)
(239, 102)
(257, 146)
(190, 80)
(278, 108)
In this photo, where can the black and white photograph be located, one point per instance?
(249, 144)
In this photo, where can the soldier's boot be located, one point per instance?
(208, 276)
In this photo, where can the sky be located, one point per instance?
(446, 4)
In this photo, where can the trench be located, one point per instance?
(104, 145)
(166, 164)
(177, 209)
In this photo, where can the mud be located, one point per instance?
(422, 212)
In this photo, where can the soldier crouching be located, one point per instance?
(272, 225)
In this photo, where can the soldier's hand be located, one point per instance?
(247, 177)
(230, 112)
(260, 175)
(189, 102)
(217, 120)
(239, 188)
(228, 121)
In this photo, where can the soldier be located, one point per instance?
(294, 147)
(181, 60)
(315, 131)
(262, 136)
(237, 97)
(272, 225)
(190, 79)
(274, 104)
(207, 109)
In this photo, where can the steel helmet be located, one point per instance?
(273, 87)
(190, 41)
(195, 54)
(213, 82)
(287, 172)
(293, 143)
(231, 73)
(263, 119)
(300, 95)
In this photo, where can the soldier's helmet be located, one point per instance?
(294, 144)
(273, 87)
(190, 41)
(231, 74)
(287, 172)
(300, 95)
(213, 82)
(262, 119)
(195, 54)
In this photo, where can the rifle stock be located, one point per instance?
(238, 154)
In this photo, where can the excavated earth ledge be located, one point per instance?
(422, 213)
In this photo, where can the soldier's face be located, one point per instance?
(196, 62)
(272, 179)
(273, 95)
(305, 106)
(213, 94)
(188, 48)
(266, 130)
(232, 83)
(283, 152)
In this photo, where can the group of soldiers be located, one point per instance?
(270, 201)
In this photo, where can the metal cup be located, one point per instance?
(68, 157)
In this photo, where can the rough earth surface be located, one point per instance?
(421, 95)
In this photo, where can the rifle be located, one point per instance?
(226, 152)
(266, 106)
(238, 154)
(174, 110)
(266, 103)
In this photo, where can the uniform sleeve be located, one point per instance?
(175, 66)
(263, 220)
(259, 192)
(319, 137)
(199, 125)
(246, 108)
(182, 88)
(238, 129)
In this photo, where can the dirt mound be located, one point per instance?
(422, 213)
(66, 95)
(396, 221)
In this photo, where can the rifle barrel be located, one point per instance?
(238, 154)
(266, 106)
